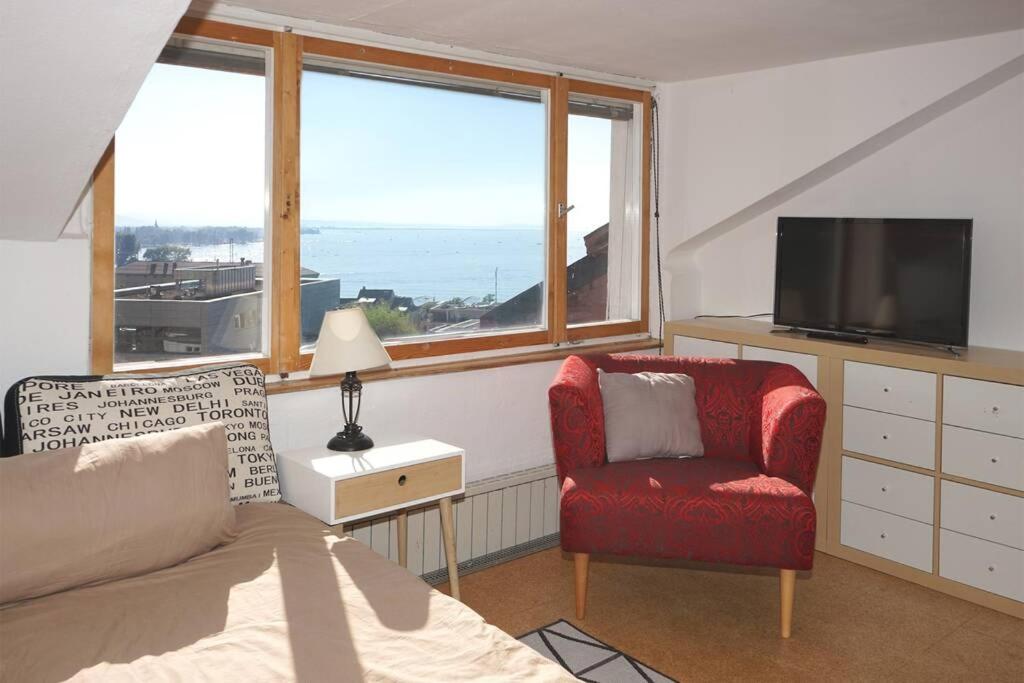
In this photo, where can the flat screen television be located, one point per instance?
(897, 278)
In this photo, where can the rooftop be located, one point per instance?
(154, 267)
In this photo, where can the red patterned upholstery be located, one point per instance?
(747, 501)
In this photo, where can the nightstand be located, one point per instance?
(394, 475)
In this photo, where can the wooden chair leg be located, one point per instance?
(582, 562)
(787, 585)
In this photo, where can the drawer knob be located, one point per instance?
(883, 535)
(884, 489)
(995, 460)
(885, 437)
(401, 480)
(992, 517)
(995, 409)
(991, 568)
(885, 389)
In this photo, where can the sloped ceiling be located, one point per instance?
(664, 40)
(68, 73)
(729, 120)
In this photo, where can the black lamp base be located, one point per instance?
(352, 437)
(350, 440)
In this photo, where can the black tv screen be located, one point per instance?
(906, 279)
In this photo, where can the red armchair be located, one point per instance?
(747, 501)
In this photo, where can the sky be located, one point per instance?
(192, 151)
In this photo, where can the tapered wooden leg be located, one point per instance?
(582, 561)
(787, 585)
(403, 538)
(448, 531)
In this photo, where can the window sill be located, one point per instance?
(285, 386)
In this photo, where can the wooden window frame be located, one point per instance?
(284, 304)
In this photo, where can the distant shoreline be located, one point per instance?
(432, 263)
(211, 235)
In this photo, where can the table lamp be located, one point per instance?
(346, 345)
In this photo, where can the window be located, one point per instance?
(429, 191)
(189, 208)
(604, 226)
(424, 199)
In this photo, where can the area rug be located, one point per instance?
(588, 658)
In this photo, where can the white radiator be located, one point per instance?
(497, 519)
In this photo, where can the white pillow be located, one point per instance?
(112, 509)
(123, 406)
(649, 415)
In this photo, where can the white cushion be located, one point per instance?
(649, 415)
(50, 413)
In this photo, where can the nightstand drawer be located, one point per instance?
(343, 487)
(391, 488)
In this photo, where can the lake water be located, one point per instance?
(440, 263)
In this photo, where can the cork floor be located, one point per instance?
(705, 624)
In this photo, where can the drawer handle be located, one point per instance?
(992, 568)
(992, 517)
(885, 389)
(885, 437)
(884, 489)
(995, 409)
(995, 460)
(883, 535)
(401, 480)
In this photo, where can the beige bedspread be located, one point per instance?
(286, 601)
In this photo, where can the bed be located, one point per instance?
(158, 555)
(288, 599)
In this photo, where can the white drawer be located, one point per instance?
(988, 566)
(890, 536)
(893, 437)
(803, 362)
(706, 348)
(983, 513)
(888, 489)
(982, 456)
(988, 406)
(891, 390)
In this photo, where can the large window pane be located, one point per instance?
(426, 199)
(604, 180)
(190, 206)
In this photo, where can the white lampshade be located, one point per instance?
(347, 343)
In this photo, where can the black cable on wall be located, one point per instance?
(656, 176)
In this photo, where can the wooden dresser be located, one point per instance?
(922, 470)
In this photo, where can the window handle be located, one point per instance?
(564, 210)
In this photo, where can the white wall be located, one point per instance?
(741, 150)
(44, 302)
(500, 416)
(44, 307)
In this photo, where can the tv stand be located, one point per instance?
(838, 336)
(942, 406)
